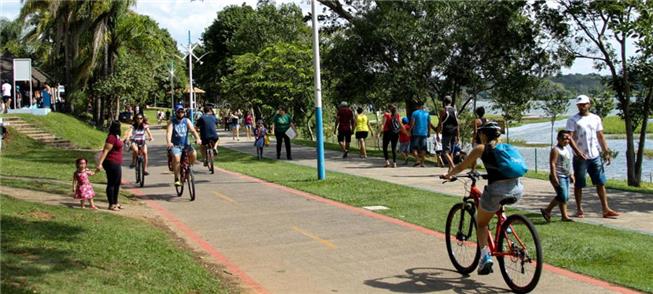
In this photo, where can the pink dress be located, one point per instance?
(84, 188)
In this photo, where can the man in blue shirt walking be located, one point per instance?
(420, 122)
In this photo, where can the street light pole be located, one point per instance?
(191, 94)
(321, 174)
(172, 84)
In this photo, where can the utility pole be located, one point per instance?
(321, 174)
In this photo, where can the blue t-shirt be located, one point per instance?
(47, 101)
(179, 132)
(422, 120)
(207, 124)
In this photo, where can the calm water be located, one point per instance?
(541, 133)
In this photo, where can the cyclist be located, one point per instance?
(499, 187)
(177, 139)
(136, 134)
(207, 125)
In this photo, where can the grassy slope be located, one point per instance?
(598, 251)
(60, 250)
(68, 127)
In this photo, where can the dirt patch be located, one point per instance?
(39, 215)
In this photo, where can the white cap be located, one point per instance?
(582, 99)
(343, 103)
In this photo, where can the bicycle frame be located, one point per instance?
(475, 195)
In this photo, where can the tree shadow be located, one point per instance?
(24, 259)
(424, 280)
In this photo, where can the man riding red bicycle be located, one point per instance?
(177, 140)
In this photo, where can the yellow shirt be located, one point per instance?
(361, 123)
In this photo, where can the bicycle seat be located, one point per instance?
(508, 201)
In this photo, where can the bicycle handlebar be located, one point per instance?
(474, 175)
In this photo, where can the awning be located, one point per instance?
(195, 89)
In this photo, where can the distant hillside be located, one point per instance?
(578, 83)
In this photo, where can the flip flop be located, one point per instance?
(579, 215)
(545, 215)
(610, 214)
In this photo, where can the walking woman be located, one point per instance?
(361, 131)
(390, 129)
(281, 122)
(111, 160)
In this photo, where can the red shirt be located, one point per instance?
(403, 138)
(345, 119)
(115, 154)
(388, 121)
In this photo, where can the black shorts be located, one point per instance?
(361, 135)
(344, 136)
(207, 140)
(5, 98)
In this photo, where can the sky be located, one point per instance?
(180, 16)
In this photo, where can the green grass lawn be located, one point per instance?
(49, 249)
(604, 253)
(68, 127)
(615, 125)
(24, 157)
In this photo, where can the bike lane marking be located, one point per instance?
(556, 270)
(197, 239)
(224, 197)
(324, 242)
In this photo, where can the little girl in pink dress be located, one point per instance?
(81, 185)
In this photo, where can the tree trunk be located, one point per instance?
(642, 136)
(411, 105)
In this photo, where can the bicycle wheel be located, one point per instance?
(520, 254)
(460, 236)
(190, 178)
(141, 163)
(209, 158)
(137, 171)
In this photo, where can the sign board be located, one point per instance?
(22, 69)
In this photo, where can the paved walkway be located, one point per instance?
(636, 208)
(279, 240)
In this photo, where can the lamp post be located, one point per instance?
(190, 55)
(172, 85)
(321, 174)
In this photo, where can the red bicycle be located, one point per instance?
(516, 244)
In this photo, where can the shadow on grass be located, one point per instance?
(426, 280)
(23, 261)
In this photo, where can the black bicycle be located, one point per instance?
(140, 165)
(210, 155)
(185, 175)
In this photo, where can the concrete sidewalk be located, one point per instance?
(279, 240)
(636, 208)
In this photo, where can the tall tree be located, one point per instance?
(554, 100)
(600, 31)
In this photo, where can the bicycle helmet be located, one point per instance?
(491, 129)
(404, 120)
(178, 107)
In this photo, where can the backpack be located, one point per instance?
(395, 127)
(510, 163)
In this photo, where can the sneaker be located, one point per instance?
(132, 165)
(344, 155)
(177, 183)
(394, 164)
(485, 265)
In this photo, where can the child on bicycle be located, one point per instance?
(259, 138)
(136, 134)
(560, 176)
(82, 188)
(499, 188)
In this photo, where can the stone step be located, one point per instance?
(42, 136)
(38, 134)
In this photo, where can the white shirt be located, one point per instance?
(6, 89)
(585, 129)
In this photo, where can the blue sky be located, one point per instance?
(180, 16)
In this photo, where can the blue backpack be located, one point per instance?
(509, 161)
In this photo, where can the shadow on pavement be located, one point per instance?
(423, 280)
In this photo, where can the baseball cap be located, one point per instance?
(178, 107)
(343, 103)
(582, 99)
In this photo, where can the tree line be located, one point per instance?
(373, 53)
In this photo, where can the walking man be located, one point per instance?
(344, 126)
(6, 96)
(420, 122)
(450, 130)
(587, 132)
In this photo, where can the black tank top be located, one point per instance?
(490, 163)
(450, 124)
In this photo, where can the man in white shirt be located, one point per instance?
(6, 95)
(587, 132)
